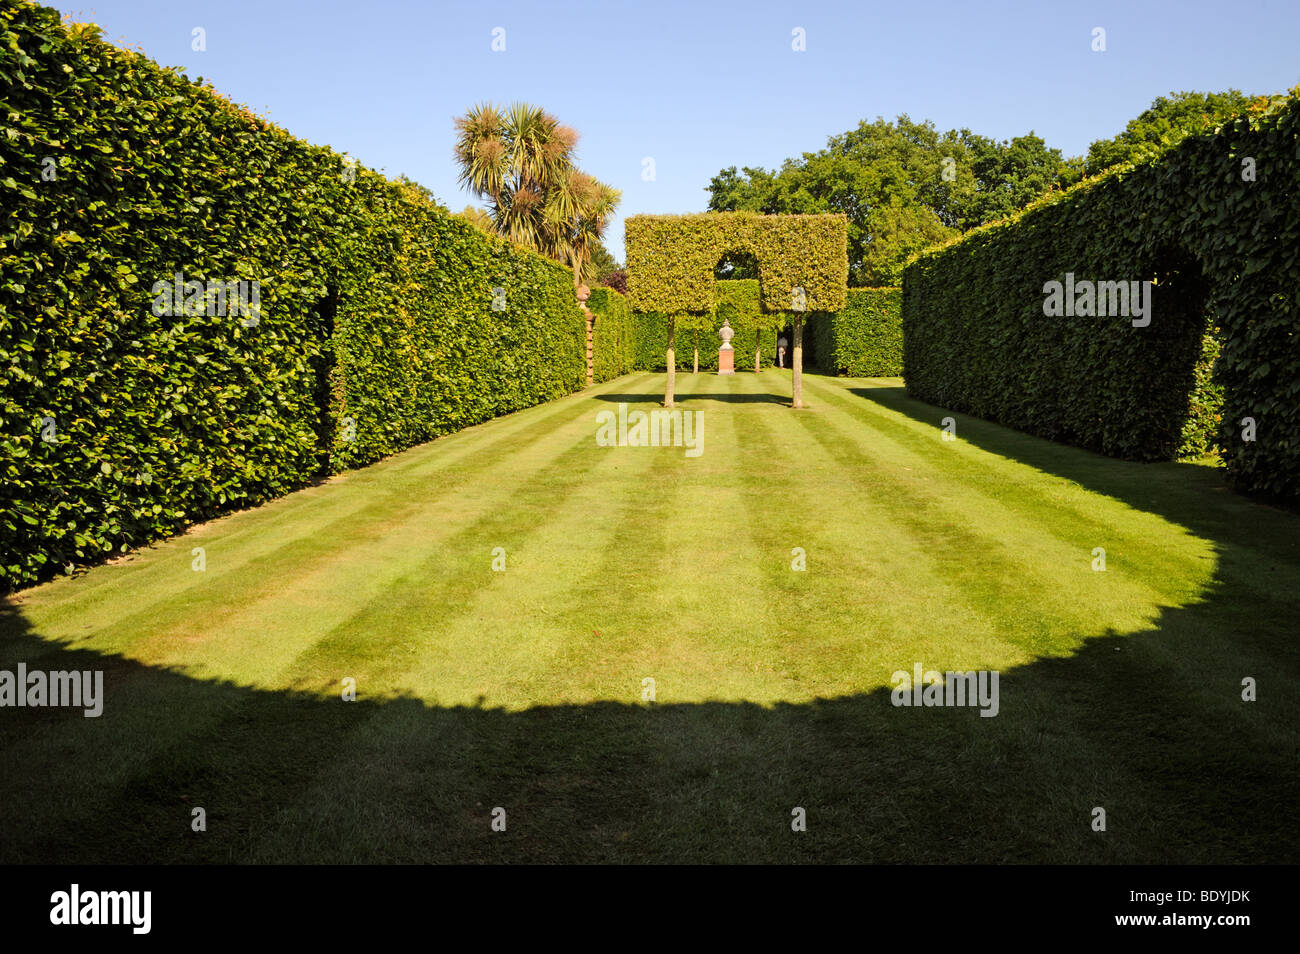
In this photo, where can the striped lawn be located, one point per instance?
(524, 689)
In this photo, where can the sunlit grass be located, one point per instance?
(631, 564)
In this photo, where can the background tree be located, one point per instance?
(616, 280)
(1165, 121)
(607, 270)
(602, 262)
(1010, 175)
(903, 185)
(736, 266)
(476, 216)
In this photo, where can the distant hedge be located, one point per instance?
(1205, 403)
(671, 258)
(737, 303)
(128, 411)
(1215, 223)
(614, 343)
(864, 338)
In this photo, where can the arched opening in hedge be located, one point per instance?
(1185, 334)
(672, 261)
(736, 265)
(1212, 223)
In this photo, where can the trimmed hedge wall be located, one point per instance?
(423, 345)
(614, 343)
(865, 338)
(671, 258)
(738, 303)
(1215, 223)
(123, 420)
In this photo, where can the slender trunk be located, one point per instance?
(579, 259)
(796, 363)
(758, 364)
(671, 361)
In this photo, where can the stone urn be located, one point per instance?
(726, 334)
(583, 293)
(726, 354)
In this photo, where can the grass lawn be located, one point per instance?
(523, 688)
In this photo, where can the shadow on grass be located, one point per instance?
(1257, 546)
(292, 777)
(1148, 725)
(691, 398)
(1179, 492)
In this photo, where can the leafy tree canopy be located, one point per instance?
(1168, 119)
(905, 185)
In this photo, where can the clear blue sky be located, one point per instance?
(702, 85)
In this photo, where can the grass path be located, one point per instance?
(523, 689)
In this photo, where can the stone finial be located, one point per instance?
(726, 334)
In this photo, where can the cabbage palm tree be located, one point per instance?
(577, 213)
(481, 151)
(521, 161)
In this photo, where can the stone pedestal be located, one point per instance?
(583, 293)
(591, 334)
(726, 354)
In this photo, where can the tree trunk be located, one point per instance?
(796, 363)
(671, 362)
(758, 366)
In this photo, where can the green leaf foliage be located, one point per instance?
(1214, 221)
(737, 303)
(903, 185)
(614, 344)
(1205, 408)
(1165, 121)
(863, 339)
(671, 259)
(119, 425)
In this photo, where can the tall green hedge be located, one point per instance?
(671, 258)
(865, 337)
(1215, 223)
(652, 346)
(614, 343)
(650, 336)
(440, 326)
(119, 425)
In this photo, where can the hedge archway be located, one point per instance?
(803, 265)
